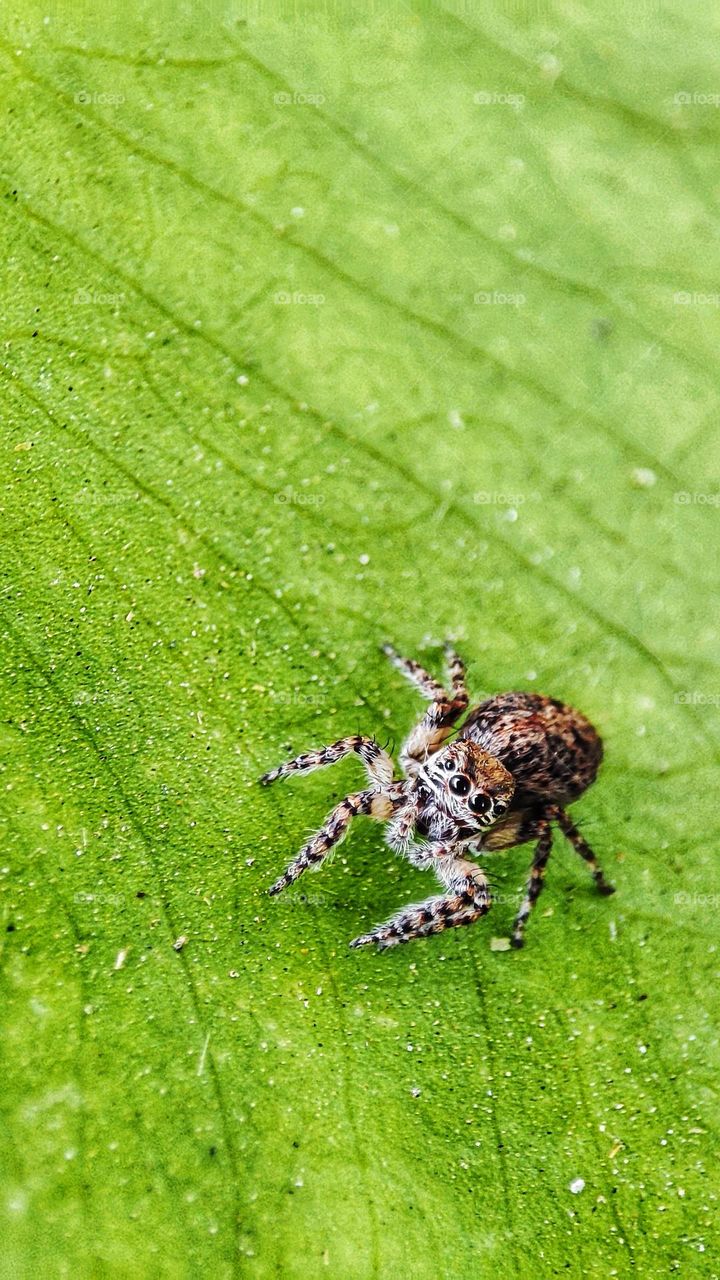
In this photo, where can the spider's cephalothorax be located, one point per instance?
(517, 761)
(467, 789)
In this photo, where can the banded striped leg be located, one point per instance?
(466, 900)
(446, 708)
(430, 733)
(378, 765)
(331, 833)
(583, 848)
(535, 882)
(457, 673)
(417, 675)
(422, 680)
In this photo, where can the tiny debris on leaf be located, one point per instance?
(643, 477)
(179, 943)
(499, 944)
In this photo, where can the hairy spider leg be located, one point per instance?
(466, 900)
(444, 711)
(457, 672)
(378, 764)
(330, 834)
(535, 882)
(417, 675)
(373, 802)
(582, 847)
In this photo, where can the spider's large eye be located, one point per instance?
(460, 785)
(479, 803)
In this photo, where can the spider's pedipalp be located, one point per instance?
(400, 830)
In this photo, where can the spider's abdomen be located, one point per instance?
(551, 750)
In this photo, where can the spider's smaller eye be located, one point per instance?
(479, 804)
(460, 785)
(500, 807)
(447, 764)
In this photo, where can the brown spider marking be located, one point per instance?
(506, 777)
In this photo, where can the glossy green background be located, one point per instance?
(326, 326)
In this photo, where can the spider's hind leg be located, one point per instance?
(582, 847)
(535, 881)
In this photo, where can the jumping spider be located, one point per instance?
(515, 764)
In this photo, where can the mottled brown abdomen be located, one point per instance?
(551, 750)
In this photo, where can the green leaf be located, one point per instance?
(323, 329)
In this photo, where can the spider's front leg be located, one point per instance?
(331, 833)
(444, 710)
(466, 900)
(378, 765)
(379, 801)
(375, 802)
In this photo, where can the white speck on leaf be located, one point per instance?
(550, 67)
(499, 944)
